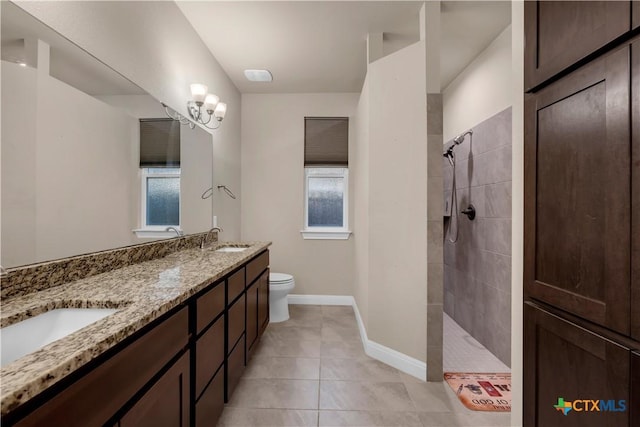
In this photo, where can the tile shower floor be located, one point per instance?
(312, 371)
(462, 353)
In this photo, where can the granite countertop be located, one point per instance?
(142, 293)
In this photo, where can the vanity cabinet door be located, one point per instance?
(252, 316)
(166, 404)
(560, 33)
(635, 188)
(578, 194)
(263, 301)
(565, 361)
(635, 14)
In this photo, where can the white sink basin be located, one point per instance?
(231, 249)
(34, 333)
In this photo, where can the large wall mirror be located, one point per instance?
(72, 179)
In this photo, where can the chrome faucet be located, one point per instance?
(206, 236)
(178, 232)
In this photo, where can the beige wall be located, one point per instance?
(273, 188)
(163, 57)
(397, 205)
(360, 181)
(481, 90)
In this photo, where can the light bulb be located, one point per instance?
(220, 111)
(210, 102)
(198, 93)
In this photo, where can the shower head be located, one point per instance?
(458, 139)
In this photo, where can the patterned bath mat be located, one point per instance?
(482, 392)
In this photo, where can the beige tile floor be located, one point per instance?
(312, 371)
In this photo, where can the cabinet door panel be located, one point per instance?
(263, 301)
(209, 354)
(635, 185)
(635, 14)
(634, 405)
(560, 33)
(577, 192)
(211, 403)
(563, 360)
(252, 315)
(236, 322)
(166, 404)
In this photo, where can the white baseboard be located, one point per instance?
(391, 357)
(407, 364)
(320, 299)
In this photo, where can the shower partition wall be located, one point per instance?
(477, 271)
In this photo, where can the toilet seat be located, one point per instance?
(279, 278)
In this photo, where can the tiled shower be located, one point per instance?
(477, 267)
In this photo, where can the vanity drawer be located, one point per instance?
(209, 306)
(235, 284)
(209, 354)
(257, 266)
(236, 322)
(235, 368)
(210, 405)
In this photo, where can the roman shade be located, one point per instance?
(159, 143)
(326, 141)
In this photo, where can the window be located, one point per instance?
(326, 178)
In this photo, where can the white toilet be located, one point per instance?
(280, 285)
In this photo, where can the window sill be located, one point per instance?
(150, 233)
(325, 234)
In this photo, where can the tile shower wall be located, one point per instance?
(477, 268)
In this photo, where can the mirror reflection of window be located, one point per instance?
(161, 196)
(160, 173)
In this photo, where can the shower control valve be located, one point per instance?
(470, 212)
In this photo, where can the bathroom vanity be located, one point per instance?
(171, 355)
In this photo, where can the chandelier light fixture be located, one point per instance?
(204, 108)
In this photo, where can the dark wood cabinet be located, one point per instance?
(252, 317)
(560, 33)
(582, 212)
(210, 405)
(577, 181)
(166, 403)
(566, 361)
(96, 396)
(635, 185)
(634, 406)
(236, 319)
(209, 355)
(235, 367)
(210, 305)
(263, 302)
